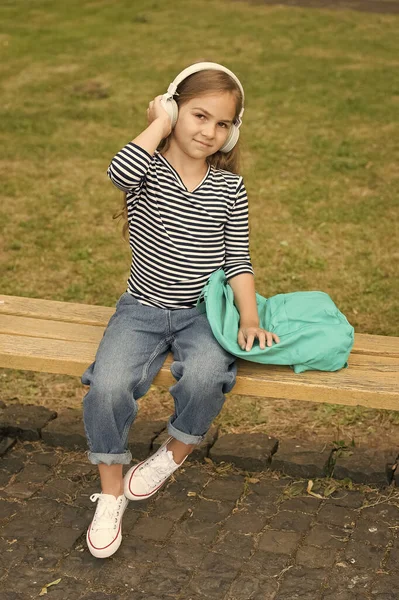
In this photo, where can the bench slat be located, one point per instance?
(54, 310)
(58, 330)
(98, 316)
(368, 382)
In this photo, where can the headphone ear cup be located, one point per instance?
(232, 139)
(170, 105)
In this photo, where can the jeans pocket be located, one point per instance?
(126, 299)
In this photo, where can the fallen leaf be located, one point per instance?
(309, 490)
(44, 589)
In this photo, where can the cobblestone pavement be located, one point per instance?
(212, 531)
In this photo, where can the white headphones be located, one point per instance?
(170, 105)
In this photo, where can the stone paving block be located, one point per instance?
(7, 509)
(376, 533)
(102, 596)
(266, 563)
(79, 472)
(25, 421)
(138, 550)
(364, 555)
(62, 490)
(290, 521)
(245, 522)
(21, 490)
(211, 511)
(317, 558)
(61, 537)
(33, 474)
(67, 430)
(165, 579)
(364, 465)
(5, 444)
(200, 451)
(142, 436)
(50, 459)
(348, 499)
(153, 528)
(193, 531)
(189, 555)
(29, 583)
(385, 587)
(234, 544)
(324, 535)
(299, 458)
(185, 481)
(301, 582)
(309, 505)
(249, 451)
(44, 558)
(381, 511)
(12, 464)
(111, 574)
(392, 561)
(11, 554)
(215, 574)
(344, 578)
(26, 525)
(246, 586)
(223, 489)
(280, 542)
(169, 508)
(262, 498)
(338, 515)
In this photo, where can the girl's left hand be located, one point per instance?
(246, 336)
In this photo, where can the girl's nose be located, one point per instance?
(209, 131)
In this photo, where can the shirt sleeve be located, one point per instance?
(128, 168)
(237, 258)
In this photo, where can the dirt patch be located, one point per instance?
(388, 7)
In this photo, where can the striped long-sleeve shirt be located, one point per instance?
(179, 238)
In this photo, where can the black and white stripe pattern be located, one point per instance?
(178, 238)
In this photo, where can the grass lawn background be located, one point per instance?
(320, 146)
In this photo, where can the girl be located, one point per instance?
(187, 215)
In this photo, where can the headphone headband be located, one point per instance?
(202, 67)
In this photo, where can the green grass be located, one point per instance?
(319, 141)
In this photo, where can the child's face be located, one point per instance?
(204, 122)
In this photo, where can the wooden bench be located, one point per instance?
(62, 337)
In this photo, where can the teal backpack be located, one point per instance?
(314, 334)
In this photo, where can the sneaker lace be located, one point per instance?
(106, 515)
(154, 474)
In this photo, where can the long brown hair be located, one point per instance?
(200, 84)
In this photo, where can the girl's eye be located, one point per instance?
(222, 124)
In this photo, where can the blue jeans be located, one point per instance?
(134, 346)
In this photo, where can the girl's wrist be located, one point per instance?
(165, 125)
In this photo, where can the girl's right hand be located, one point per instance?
(155, 111)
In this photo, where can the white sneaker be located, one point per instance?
(144, 479)
(104, 535)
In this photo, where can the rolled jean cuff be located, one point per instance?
(184, 437)
(97, 458)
